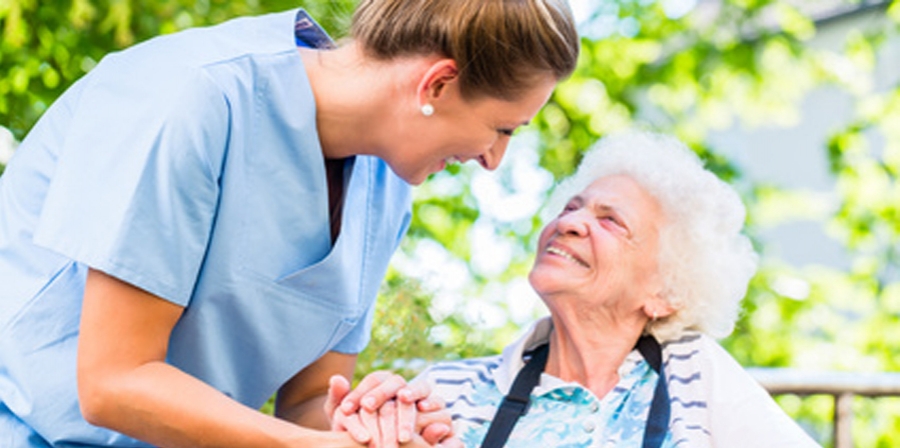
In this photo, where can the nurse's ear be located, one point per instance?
(438, 79)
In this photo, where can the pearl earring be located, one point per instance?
(427, 110)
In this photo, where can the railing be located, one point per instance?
(843, 386)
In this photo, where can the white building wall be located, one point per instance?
(796, 157)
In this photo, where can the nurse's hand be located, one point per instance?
(413, 409)
(382, 425)
(338, 388)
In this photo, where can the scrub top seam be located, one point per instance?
(364, 278)
(129, 275)
(248, 55)
(57, 272)
(213, 174)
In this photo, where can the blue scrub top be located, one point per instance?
(190, 167)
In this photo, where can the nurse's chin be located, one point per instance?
(415, 179)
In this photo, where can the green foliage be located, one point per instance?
(692, 78)
(402, 332)
(46, 45)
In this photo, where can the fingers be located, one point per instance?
(354, 425)
(435, 425)
(385, 391)
(435, 433)
(338, 387)
(407, 408)
(437, 416)
(352, 401)
(386, 411)
(432, 410)
(430, 404)
(451, 442)
(414, 391)
(382, 428)
(369, 420)
(387, 420)
(406, 421)
(373, 391)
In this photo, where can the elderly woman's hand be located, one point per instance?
(385, 411)
(431, 429)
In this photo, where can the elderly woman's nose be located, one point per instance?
(574, 222)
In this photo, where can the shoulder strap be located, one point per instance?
(515, 404)
(658, 418)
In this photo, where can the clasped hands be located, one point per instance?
(384, 411)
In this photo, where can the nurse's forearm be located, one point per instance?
(165, 407)
(125, 384)
(309, 414)
(302, 398)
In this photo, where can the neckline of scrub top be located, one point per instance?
(348, 174)
(309, 34)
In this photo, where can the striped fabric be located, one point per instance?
(715, 403)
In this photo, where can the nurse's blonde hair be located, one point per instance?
(705, 260)
(502, 47)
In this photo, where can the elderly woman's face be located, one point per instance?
(602, 247)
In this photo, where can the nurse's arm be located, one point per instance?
(124, 383)
(302, 399)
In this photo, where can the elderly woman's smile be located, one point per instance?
(562, 252)
(603, 243)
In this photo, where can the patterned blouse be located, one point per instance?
(714, 402)
(561, 414)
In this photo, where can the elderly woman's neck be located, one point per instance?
(589, 353)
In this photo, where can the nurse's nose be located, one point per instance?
(492, 158)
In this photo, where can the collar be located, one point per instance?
(308, 33)
(511, 361)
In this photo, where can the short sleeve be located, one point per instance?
(135, 188)
(358, 337)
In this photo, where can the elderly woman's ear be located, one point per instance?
(657, 308)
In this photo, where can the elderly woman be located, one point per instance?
(641, 269)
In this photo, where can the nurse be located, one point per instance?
(204, 219)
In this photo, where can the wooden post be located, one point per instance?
(843, 420)
(843, 386)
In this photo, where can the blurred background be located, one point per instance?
(795, 103)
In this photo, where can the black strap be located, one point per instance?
(658, 418)
(515, 404)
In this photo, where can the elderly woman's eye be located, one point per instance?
(611, 219)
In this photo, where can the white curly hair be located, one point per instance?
(705, 260)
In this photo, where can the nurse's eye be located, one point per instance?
(506, 132)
